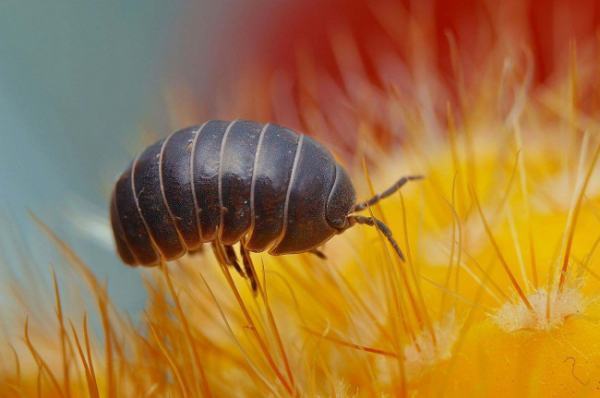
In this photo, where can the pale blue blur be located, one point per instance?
(76, 80)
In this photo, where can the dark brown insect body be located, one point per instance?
(227, 182)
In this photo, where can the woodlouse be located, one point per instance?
(264, 186)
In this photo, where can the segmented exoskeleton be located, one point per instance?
(262, 185)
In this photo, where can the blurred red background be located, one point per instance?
(272, 31)
(325, 67)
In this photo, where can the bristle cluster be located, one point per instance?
(516, 316)
(423, 354)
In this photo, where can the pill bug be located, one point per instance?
(261, 185)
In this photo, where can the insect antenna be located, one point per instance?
(384, 229)
(388, 192)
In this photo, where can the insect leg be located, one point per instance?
(249, 268)
(318, 253)
(226, 255)
(373, 222)
(233, 260)
(219, 253)
(391, 190)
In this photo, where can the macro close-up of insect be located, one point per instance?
(300, 199)
(261, 185)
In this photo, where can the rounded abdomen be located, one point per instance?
(262, 185)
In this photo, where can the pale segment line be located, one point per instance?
(220, 179)
(288, 193)
(329, 197)
(157, 250)
(193, 181)
(164, 196)
(253, 183)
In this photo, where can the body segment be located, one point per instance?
(274, 164)
(148, 191)
(177, 184)
(313, 176)
(205, 177)
(135, 238)
(235, 179)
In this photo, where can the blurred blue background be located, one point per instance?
(77, 79)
